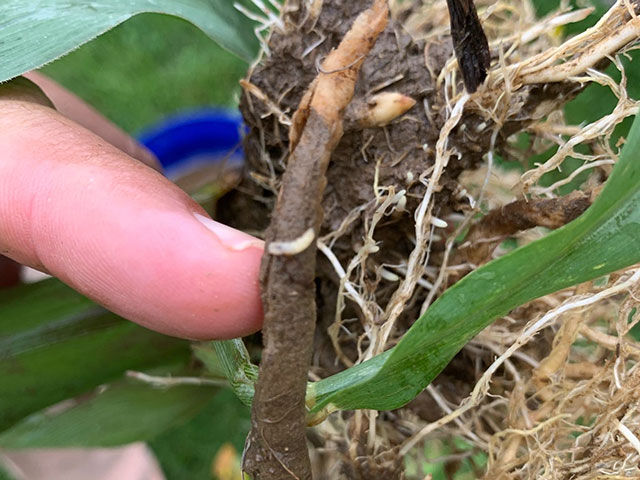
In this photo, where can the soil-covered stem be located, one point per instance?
(276, 446)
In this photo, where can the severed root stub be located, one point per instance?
(498, 224)
(276, 446)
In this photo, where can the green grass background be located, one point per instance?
(186, 452)
(149, 67)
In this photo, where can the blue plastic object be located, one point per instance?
(187, 141)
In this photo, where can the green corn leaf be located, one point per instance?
(114, 415)
(33, 33)
(604, 239)
(230, 358)
(55, 344)
(185, 452)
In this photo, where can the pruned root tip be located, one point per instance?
(292, 247)
(384, 108)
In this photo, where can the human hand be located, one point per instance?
(103, 221)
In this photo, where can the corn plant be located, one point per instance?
(56, 344)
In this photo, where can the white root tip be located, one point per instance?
(292, 247)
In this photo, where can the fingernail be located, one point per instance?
(230, 237)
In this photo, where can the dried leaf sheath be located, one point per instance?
(276, 446)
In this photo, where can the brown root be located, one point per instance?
(499, 223)
(276, 446)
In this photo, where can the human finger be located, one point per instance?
(74, 108)
(75, 206)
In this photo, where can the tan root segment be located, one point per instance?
(332, 90)
(575, 389)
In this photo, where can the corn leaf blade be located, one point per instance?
(55, 344)
(36, 32)
(119, 414)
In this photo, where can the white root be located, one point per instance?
(289, 248)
